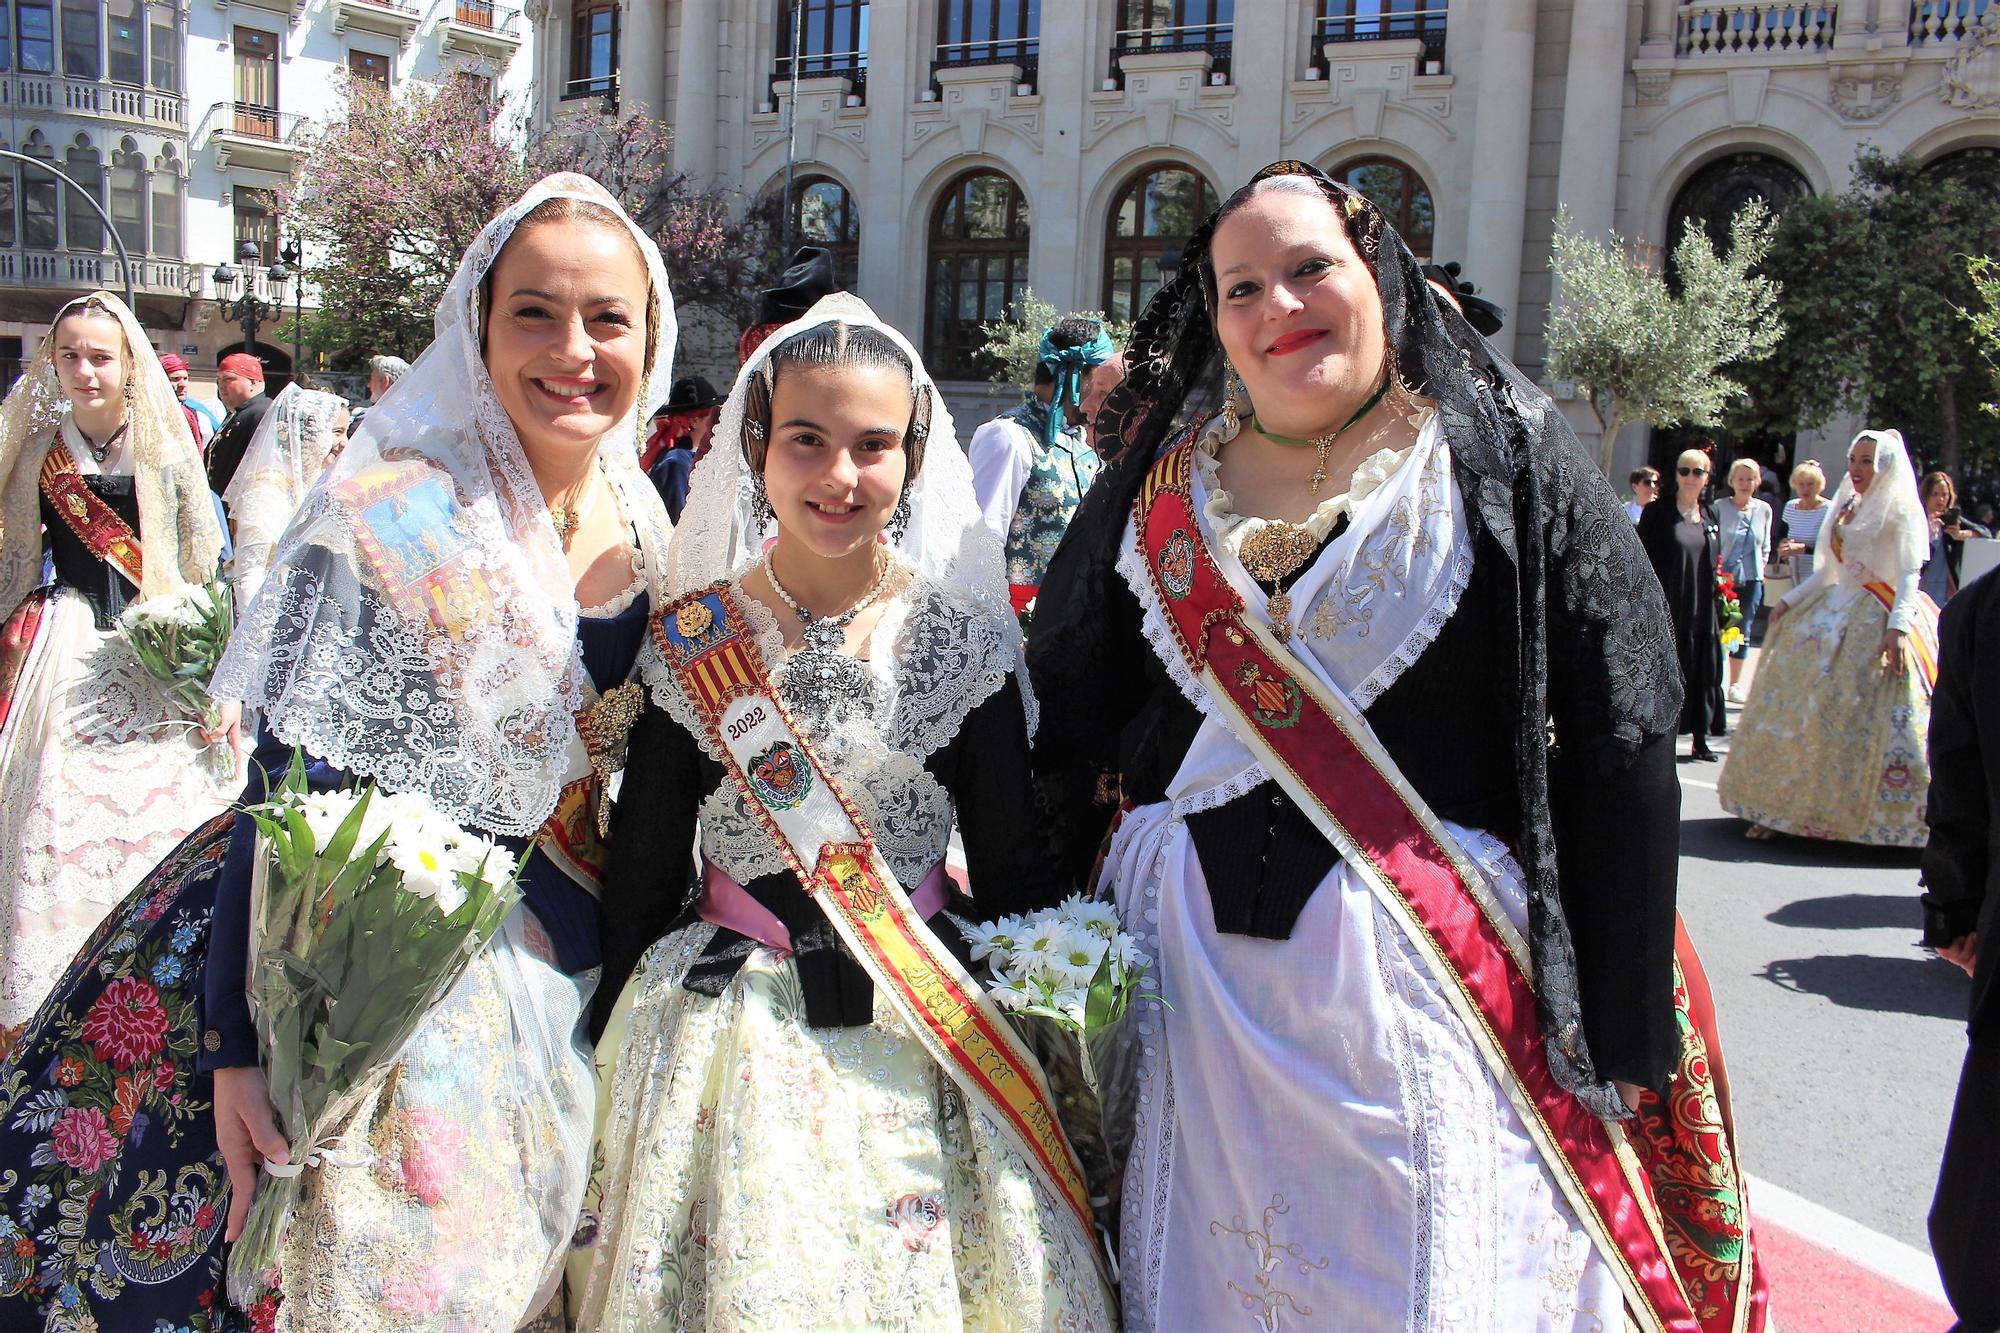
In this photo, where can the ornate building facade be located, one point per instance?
(953, 151)
(184, 119)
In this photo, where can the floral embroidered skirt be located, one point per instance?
(112, 1191)
(759, 1173)
(1830, 745)
(465, 1170)
(99, 778)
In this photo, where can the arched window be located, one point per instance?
(82, 228)
(1401, 195)
(168, 191)
(10, 189)
(827, 216)
(978, 266)
(1714, 195)
(38, 197)
(1978, 169)
(128, 195)
(1151, 218)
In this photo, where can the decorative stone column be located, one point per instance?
(642, 57)
(1593, 103)
(1498, 198)
(695, 88)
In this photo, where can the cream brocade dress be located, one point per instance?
(1830, 745)
(756, 1172)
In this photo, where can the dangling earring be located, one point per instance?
(760, 501)
(1232, 418)
(899, 521)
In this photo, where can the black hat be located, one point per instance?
(800, 287)
(1479, 312)
(691, 395)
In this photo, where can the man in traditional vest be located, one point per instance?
(1031, 466)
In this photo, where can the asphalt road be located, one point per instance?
(1843, 1036)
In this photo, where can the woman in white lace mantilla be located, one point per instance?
(1843, 688)
(300, 434)
(454, 613)
(100, 772)
(777, 1150)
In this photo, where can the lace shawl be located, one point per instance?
(1889, 531)
(286, 454)
(178, 529)
(419, 621)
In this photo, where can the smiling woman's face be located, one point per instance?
(1297, 311)
(565, 336)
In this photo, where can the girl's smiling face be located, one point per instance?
(89, 355)
(835, 464)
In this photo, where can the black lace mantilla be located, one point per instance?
(1586, 653)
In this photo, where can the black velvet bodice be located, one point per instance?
(80, 571)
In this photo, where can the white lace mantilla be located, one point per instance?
(932, 658)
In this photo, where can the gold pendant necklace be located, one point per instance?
(1320, 444)
(567, 515)
(1272, 554)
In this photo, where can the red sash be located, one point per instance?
(96, 524)
(1663, 1198)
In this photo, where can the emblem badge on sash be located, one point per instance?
(1274, 701)
(1177, 564)
(781, 776)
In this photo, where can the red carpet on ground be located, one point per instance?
(1814, 1290)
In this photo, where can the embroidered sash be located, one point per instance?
(95, 523)
(1923, 645)
(817, 828)
(1667, 1213)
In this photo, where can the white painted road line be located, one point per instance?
(1905, 1265)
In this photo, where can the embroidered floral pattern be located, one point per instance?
(1266, 1301)
(113, 1216)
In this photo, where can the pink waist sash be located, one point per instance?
(728, 904)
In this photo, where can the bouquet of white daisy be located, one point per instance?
(179, 637)
(368, 908)
(1071, 967)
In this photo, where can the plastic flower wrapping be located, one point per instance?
(1069, 975)
(1728, 609)
(366, 910)
(178, 638)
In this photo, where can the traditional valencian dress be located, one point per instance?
(1831, 745)
(1369, 1090)
(100, 772)
(418, 626)
(785, 1143)
(1037, 478)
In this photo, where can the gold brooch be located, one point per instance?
(605, 726)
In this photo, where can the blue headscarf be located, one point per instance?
(1068, 365)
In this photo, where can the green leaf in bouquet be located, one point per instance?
(339, 849)
(1104, 1001)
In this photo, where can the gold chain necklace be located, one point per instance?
(1322, 443)
(567, 514)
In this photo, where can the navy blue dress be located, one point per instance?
(113, 1193)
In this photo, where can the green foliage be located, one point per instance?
(1639, 351)
(1014, 342)
(1985, 319)
(1874, 284)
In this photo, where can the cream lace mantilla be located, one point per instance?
(932, 658)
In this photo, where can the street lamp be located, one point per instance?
(294, 254)
(247, 309)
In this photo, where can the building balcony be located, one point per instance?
(259, 137)
(390, 18)
(292, 9)
(1426, 26)
(817, 69)
(1719, 29)
(48, 95)
(1941, 22)
(80, 270)
(1022, 53)
(1215, 39)
(482, 29)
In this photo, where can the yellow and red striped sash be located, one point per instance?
(1923, 646)
(817, 828)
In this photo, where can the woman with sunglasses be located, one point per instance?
(1679, 533)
